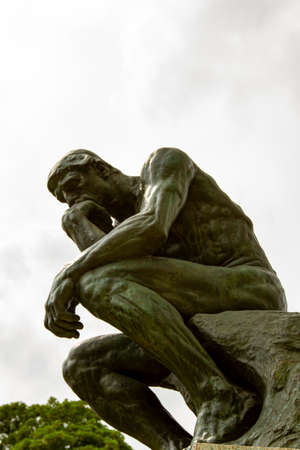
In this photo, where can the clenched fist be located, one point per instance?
(92, 211)
(86, 222)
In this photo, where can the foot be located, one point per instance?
(226, 417)
(177, 444)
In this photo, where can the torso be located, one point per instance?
(212, 230)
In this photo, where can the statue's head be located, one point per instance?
(77, 168)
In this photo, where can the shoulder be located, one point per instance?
(167, 161)
(169, 155)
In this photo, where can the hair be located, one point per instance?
(79, 159)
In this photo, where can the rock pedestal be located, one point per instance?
(258, 350)
(229, 447)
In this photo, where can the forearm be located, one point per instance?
(136, 237)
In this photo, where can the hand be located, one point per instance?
(60, 317)
(94, 212)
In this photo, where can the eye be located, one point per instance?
(72, 183)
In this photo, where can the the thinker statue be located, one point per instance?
(178, 246)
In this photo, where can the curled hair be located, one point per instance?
(77, 160)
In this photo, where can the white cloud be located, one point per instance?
(218, 79)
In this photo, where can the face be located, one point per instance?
(77, 186)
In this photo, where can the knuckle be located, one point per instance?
(87, 202)
(65, 214)
(48, 304)
(82, 204)
(67, 217)
(47, 308)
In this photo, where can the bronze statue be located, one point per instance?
(178, 246)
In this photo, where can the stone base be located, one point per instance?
(231, 447)
(262, 350)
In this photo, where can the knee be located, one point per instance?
(278, 301)
(274, 298)
(91, 359)
(75, 365)
(68, 370)
(102, 276)
(98, 282)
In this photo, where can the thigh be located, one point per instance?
(118, 353)
(194, 288)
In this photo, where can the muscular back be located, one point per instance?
(210, 229)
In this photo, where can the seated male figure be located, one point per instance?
(179, 247)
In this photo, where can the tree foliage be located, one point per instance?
(55, 426)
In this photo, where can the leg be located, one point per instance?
(111, 373)
(192, 288)
(157, 326)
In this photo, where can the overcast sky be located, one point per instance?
(216, 78)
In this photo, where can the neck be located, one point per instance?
(123, 204)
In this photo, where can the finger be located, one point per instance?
(47, 304)
(51, 322)
(72, 304)
(58, 314)
(62, 332)
(66, 316)
(46, 322)
(69, 325)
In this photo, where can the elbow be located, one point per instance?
(145, 232)
(155, 237)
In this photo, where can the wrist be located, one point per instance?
(73, 272)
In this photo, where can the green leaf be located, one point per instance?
(55, 425)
